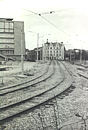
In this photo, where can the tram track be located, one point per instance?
(82, 75)
(39, 98)
(28, 80)
(28, 84)
(27, 90)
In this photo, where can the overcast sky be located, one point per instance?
(68, 23)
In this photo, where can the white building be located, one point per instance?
(53, 51)
(12, 38)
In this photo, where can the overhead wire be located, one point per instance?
(71, 37)
(51, 23)
(50, 12)
(31, 11)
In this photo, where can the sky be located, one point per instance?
(68, 22)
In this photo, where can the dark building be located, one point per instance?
(31, 55)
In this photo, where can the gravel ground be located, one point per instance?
(60, 111)
(13, 74)
(22, 94)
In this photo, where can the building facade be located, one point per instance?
(12, 38)
(53, 51)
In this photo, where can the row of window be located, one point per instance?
(53, 51)
(53, 55)
(7, 40)
(6, 35)
(7, 52)
(53, 48)
(6, 26)
(6, 30)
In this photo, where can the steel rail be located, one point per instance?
(21, 83)
(24, 100)
(82, 65)
(82, 75)
(21, 87)
(39, 102)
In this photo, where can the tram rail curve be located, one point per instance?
(28, 84)
(11, 111)
(27, 91)
(82, 75)
(28, 80)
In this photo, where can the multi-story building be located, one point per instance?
(53, 51)
(12, 38)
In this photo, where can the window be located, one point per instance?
(1, 24)
(11, 25)
(6, 30)
(2, 30)
(10, 52)
(6, 40)
(6, 25)
(60, 54)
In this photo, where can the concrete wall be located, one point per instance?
(19, 38)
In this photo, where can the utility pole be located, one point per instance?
(37, 44)
(22, 57)
(2, 82)
(80, 56)
(42, 53)
(70, 55)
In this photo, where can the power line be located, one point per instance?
(50, 12)
(57, 27)
(48, 21)
(46, 13)
(53, 24)
(31, 11)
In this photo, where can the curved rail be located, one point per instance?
(82, 75)
(28, 80)
(28, 83)
(36, 100)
